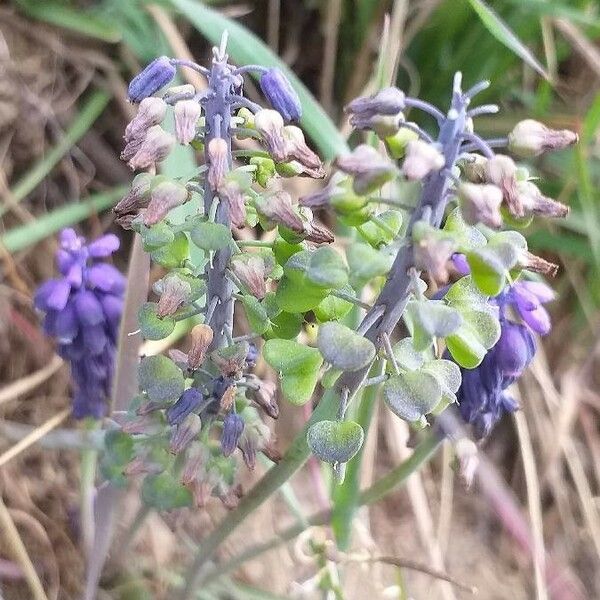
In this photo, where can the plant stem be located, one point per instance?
(87, 478)
(294, 458)
(422, 453)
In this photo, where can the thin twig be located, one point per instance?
(34, 436)
(15, 544)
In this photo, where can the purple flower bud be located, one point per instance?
(368, 168)
(151, 112)
(187, 113)
(389, 101)
(270, 125)
(104, 246)
(52, 295)
(534, 202)
(278, 208)
(202, 337)
(280, 93)
(252, 355)
(155, 76)
(137, 198)
(218, 162)
(233, 426)
(421, 160)
(185, 433)
(89, 309)
(460, 264)
(154, 148)
(175, 292)
(480, 203)
(188, 402)
(164, 197)
(106, 278)
(531, 138)
(513, 350)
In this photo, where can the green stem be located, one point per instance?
(381, 488)
(88, 462)
(294, 458)
(254, 244)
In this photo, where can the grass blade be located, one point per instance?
(92, 109)
(83, 22)
(498, 28)
(246, 48)
(22, 237)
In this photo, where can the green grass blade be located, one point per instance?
(543, 8)
(246, 48)
(29, 234)
(92, 109)
(80, 21)
(500, 30)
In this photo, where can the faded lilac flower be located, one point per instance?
(531, 138)
(187, 113)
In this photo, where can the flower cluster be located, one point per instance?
(82, 312)
(196, 408)
(483, 396)
(456, 195)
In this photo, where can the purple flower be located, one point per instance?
(155, 76)
(233, 426)
(527, 297)
(82, 312)
(482, 396)
(188, 402)
(280, 93)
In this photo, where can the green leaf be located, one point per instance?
(298, 295)
(211, 236)
(284, 325)
(298, 367)
(256, 314)
(174, 254)
(498, 28)
(366, 262)
(448, 376)
(153, 327)
(412, 395)
(480, 329)
(333, 308)
(343, 348)
(283, 251)
(487, 270)
(376, 235)
(246, 48)
(327, 268)
(430, 319)
(164, 492)
(335, 441)
(407, 357)
(161, 378)
(157, 236)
